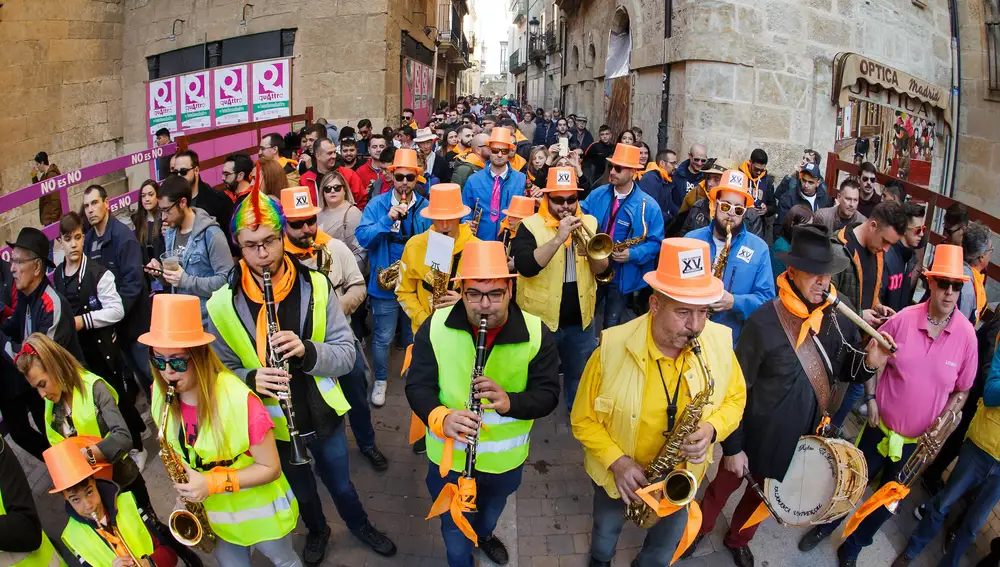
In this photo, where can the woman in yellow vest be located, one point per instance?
(222, 435)
(81, 405)
(22, 541)
(106, 527)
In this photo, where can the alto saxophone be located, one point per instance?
(627, 243)
(388, 277)
(439, 286)
(189, 526)
(719, 269)
(680, 485)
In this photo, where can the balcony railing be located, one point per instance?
(518, 10)
(550, 37)
(536, 47)
(517, 64)
(464, 49)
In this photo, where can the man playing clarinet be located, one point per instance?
(518, 383)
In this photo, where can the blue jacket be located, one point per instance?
(653, 183)
(545, 133)
(683, 182)
(628, 224)
(118, 251)
(480, 186)
(748, 275)
(206, 260)
(375, 233)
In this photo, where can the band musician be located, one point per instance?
(642, 367)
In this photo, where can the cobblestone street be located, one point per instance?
(547, 524)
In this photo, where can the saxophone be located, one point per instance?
(388, 277)
(719, 269)
(439, 286)
(189, 526)
(680, 485)
(627, 243)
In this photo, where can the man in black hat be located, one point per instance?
(785, 400)
(38, 308)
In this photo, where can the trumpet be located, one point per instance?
(477, 214)
(117, 534)
(598, 246)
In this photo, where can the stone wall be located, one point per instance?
(60, 71)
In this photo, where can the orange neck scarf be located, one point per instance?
(553, 222)
(473, 159)
(977, 283)
(307, 253)
(256, 294)
(791, 301)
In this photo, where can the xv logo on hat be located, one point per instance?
(691, 263)
(302, 200)
(736, 179)
(564, 178)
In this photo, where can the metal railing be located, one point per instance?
(536, 47)
(550, 37)
(464, 48)
(516, 63)
(993, 54)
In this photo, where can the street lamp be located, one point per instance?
(533, 30)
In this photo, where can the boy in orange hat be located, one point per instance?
(642, 367)
(106, 527)
(488, 192)
(519, 383)
(521, 207)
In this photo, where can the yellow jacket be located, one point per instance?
(291, 169)
(619, 406)
(415, 279)
(699, 192)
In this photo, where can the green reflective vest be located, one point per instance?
(88, 545)
(44, 556)
(503, 442)
(225, 319)
(251, 515)
(84, 410)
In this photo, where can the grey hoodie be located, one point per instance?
(207, 259)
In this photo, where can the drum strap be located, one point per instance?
(809, 355)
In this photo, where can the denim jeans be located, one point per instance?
(976, 470)
(387, 314)
(136, 357)
(614, 305)
(330, 461)
(658, 547)
(853, 393)
(575, 346)
(355, 387)
(279, 551)
(492, 491)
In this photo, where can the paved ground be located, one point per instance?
(546, 524)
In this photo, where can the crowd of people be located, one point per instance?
(518, 260)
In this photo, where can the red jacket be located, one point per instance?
(368, 175)
(308, 179)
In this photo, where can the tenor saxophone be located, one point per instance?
(680, 485)
(188, 525)
(719, 269)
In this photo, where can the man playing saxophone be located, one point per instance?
(641, 368)
(316, 341)
(557, 278)
(739, 257)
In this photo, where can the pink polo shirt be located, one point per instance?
(914, 388)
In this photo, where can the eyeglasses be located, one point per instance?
(699, 159)
(22, 261)
(476, 296)
(298, 224)
(409, 177)
(226, 174)
(618, 168)
(918, 230)
(868, 178)
(182, 171)
(500, 151)
(176, 364)
(264, 244)
(335, 188)
(560, 201)
(262, 148)
(163, 211)
(955, 286)
(737, 210)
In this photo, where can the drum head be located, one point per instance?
(809, 485)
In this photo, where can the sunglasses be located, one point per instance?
(176, 364)
(699, 160)
(408, 177)
(617, 168)
(867, 178)
(737, 210)
(500, 151)
(298, 224)
(560, 201)
(955, 286)
(182, 171)
(336, 188)
(919, 230)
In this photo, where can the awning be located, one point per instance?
(850, 68)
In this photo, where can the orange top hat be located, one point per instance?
(484, 261)
(948, 263)
(502, 137)
(297, 203)
(684, 272)
(521, 207)
(405, 158)
(67, 465)
(445, 203)
(175, 323)
(561, 179)
(734, 181)
(626, 156)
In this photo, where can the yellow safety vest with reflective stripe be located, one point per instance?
(84, 410)
(88, 545)
(252, 515)
(220, 310)
(44, 556)
(503, 442)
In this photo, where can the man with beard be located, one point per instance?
(596, 154)
(372, 171)
(901, 259)
(806, 189)
(869, 196)
(761, 186)
(688, 175)
(845, 212)
(236, 174)
(349, 149)
(545, 131)
(364, 138)
(657, 180)
(472, 161)
(213, 202)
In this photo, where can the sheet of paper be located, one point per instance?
(439, 251)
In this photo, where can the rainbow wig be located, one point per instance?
(257, 209)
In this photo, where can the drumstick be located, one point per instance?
(857, 320)
(760, 493)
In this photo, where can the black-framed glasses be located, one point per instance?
(264, 244)
(617, 168)
(227, 174)
(737, 210)
(183, 171)
(176, 364)
(500, 151)
(409, 177)
(333, 188)
(867, 178)
(262, 148)
(560, 201)
(163, 211)
(298, 224)
(476, 296)
(955, 285)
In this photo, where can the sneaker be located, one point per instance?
(315, 549)
(375, 539)
(901, 561)
(843, 561)
(741, 556)
(420, 447)
(378, 393)
(140, 458)
(694, 546)
(919, 511)
(494, 549)
(812, 539)
(375, 457)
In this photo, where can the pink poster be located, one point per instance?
(195, 104)
(271, 90)
(162, 104)
(416, 89)
(230, 95)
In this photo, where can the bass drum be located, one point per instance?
(825, 481)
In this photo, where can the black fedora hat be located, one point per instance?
(813, 251)
(34, 241)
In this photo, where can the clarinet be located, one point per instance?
(275, 360)
(474, 404)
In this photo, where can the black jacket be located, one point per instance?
(217, 205)
(119, 251)
(20, 527)
(441, 169)
(83, 292)
(793, 197)
(781, 404)
(540, 396)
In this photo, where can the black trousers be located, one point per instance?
(15, 411)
